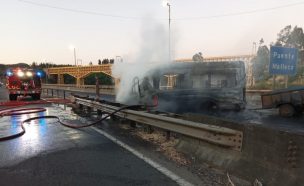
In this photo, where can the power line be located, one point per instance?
(77, 11)
(244, 12)
(177, 19)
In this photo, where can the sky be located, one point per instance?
(43, 30)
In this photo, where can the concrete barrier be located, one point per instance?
(272, 156)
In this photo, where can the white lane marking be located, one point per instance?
(160, 168)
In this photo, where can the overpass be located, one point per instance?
(81, 72)
(78, 72)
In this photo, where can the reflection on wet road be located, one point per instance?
(51, 154)
(41, 135)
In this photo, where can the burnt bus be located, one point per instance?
(196, 86)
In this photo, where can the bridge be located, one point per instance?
(81, 72)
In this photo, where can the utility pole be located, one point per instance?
(75, 55)
(169, 6)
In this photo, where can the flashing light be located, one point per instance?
(20, 73)
(9, 73)
(29, 74)
(39, 74)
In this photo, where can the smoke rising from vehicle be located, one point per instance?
(152, 51)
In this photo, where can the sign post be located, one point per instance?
(283, 61)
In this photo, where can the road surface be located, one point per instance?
(50, 154)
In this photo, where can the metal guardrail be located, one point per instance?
(111, 88)
(257, 91)
(104, 89)
(221, 136)
(79, 86)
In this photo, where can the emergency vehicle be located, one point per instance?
(25, 82)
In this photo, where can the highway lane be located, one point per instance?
(50, 154)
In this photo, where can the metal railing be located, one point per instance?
(221, 136)
(103, 89)
(110, 89)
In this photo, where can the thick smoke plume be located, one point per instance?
(152, 51)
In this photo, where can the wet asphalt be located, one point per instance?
(51, 154)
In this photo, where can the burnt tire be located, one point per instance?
(287, 110)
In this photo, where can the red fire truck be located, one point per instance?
(21, 81)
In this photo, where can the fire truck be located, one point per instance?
(25, 82)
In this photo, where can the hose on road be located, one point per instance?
(12, 112)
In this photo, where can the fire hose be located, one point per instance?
(13, 112)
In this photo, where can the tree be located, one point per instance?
(261, 63)
(289, 37)
(34, 64)
(283, 36)
(105, 61)
(261, 41)
(99, 62)
(296, 38)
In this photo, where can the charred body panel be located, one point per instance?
(183, 87)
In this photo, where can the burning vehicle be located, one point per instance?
(196, 86)
(26, 82)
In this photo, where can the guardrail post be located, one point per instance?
(132, 124)
(148, 129)
(80, 107)
(63, 94)
(52, 93)
(168, 135)
(89, 110)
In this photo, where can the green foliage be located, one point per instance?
(261, 85)
(293, 37)
(107, 61)
(68, 79)
(261, 63)
(289, 37)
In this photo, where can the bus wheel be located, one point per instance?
(286, 110)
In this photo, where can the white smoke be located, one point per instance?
(152, 51)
